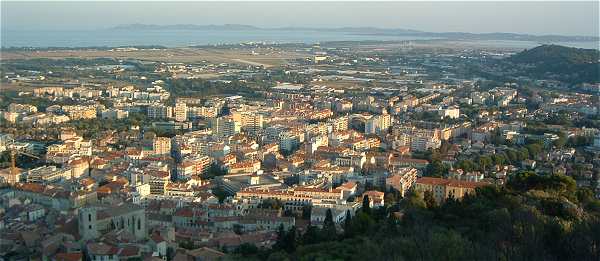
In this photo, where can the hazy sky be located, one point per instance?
(566, 18)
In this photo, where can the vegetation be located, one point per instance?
(201, 87)
(534, 217)
(571, 65)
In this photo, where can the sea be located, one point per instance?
(182, 38)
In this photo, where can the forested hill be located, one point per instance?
(533, 217)
(553, 54)
(572, 65)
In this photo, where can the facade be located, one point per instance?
(442, 189)
(225, 126)
(251, 122)
(95, 221)
(402, 180)
(180, 111)
(160, 112)
(378, 124)
(161, 146)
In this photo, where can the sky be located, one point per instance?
(540, 17)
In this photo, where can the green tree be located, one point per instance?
(348, 225)
(429, 199)
(484, 162)
(436, 169)
(329, 231)
(366, 205)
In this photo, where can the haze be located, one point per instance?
(562, 18)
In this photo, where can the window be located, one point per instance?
(90, 217)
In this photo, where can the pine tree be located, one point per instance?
(348, 225)
(366, 205)
(329, 231)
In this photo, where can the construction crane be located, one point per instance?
(14, 152)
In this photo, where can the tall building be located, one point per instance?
(339, 124)
(225, 126)
(597, 141)
(251, 122)
(180, 111)
(160, 111)
(378, 124)
(161, 146)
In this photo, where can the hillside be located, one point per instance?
(368, 31)
(571, 65)
(533, 218)
(557, 54)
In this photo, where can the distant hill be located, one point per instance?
(557, 54)
(568, 64)
(370, 31)
(184, 27)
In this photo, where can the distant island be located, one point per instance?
(370, 31)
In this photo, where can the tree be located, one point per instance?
(306, 212)
(561, 141)
(484, 162)
(290, 240)
(534, 150)
(328, 219)
(271, 204)
(429, 199)
(348, 225)
(247, 249)
(280, 244)
(466, 165)
(366, 205)
(329, 231)
(286, 240)
(436, 169)
(414, 199)
(311, 236)
(237, 228)
(499, 159)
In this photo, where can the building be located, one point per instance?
(442, 189)
(158, 182)
(398, 162)
(376, 198)
(114, 114)
(339, 124)
(244, 167)
(402, 180)
(76, 112)
(102, 252)
(95, 221)
(192, 166)
(378, 124)
(8, 177)
(161, 146)
(424, 143)
(48, 174)
(21, 108)
(451, 112)
(225, 126)
(251, 122)
(160, 111)
(180, 111)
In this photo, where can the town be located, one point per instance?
(200, 155)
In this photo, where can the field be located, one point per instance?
(261, 56)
